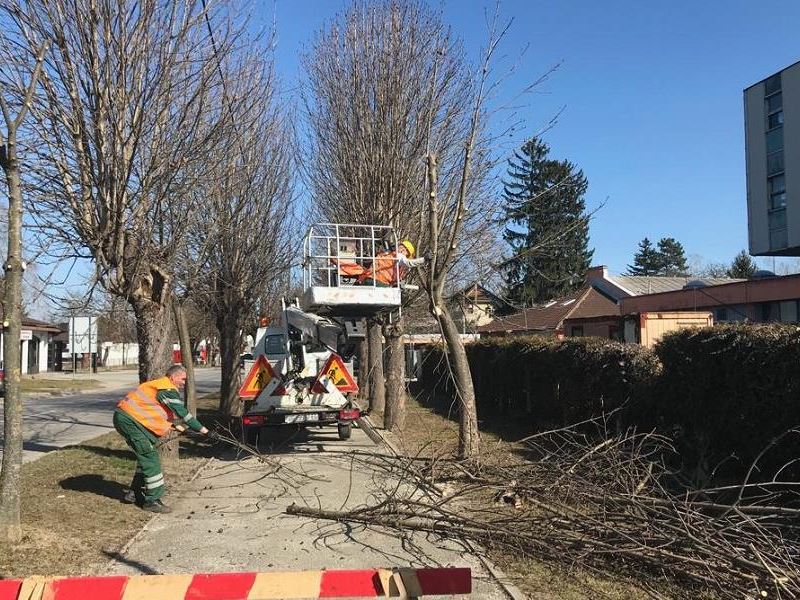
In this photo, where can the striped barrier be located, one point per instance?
(367, 583)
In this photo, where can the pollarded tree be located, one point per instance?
(385, 81)
(545, 224)
(125, 127)
(245, 239)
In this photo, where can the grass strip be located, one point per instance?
(72, 518)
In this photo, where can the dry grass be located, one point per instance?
(72, 517)
(56, 386)
(428, 433)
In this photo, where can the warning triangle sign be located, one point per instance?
(261, 373)
(338, 374)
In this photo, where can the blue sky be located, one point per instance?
(652, 98)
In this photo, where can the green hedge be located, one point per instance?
(723, 393)
(727, 391)
(552, 382)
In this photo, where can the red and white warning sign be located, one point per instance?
(337, 373)
(261, 373)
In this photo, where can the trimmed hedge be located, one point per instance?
(724, 391)
(549, 381)
(728, 391)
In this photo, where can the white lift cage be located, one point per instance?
(335, 255)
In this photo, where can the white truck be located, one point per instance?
(301, 372)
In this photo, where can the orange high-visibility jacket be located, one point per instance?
(141, 405)
(384, 269)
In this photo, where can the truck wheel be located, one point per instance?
(345, 429)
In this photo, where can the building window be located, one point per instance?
(775, 162)
(577, 331)
(774, 103)
(775, 140)
(778, 239)
(777, 219)
(775, 120)
(777, 184)
(789, 311)
(777, 201)
(720, 315)
(772, 85)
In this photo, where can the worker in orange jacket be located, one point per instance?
(389, 268)
(145, 414)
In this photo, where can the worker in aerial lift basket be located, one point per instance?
(144, 415)
(385, 268)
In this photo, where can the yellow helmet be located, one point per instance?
(409, 246)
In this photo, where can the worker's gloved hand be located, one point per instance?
(180, 428)
(427, 257)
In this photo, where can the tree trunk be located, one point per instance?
(11, 475)
(468, 435)
(154, 334)
(187, 357)
(394, 415)
(229, 347)
(377, 383)
(363, 369)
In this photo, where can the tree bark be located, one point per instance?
(229, 347)
(468, 435)
(154, 334)
(377, 383)
(363, 369)
(11, 475)
(187, 357)
(394, 414)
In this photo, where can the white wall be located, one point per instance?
(116, 354)
(43, 346)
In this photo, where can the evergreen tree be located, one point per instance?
(672, 258)
(545, 224)
(646, 261)
(742, 267)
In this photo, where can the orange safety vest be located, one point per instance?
(142, 406)
(384, 269)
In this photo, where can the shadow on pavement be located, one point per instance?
(96, 484)
(139, 566)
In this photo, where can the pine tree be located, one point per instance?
(545, 224)
(646, 261)
(742, 267)
(672, 258)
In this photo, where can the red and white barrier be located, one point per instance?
(367, 583)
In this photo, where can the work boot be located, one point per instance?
(156, 506)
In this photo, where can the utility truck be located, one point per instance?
(302, 369)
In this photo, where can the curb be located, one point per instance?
(511, 590)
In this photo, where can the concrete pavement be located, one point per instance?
(231, 518)
(51, 422)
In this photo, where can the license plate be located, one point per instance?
(301, 418)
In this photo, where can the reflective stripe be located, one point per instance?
(153, 486)
(154, 477)
(149, 403)
(189, 416)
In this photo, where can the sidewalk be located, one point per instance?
(232, 518)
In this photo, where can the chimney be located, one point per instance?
(595, 273)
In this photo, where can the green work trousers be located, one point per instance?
(148, 479)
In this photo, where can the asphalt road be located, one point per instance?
(51, 422)
(231, 517)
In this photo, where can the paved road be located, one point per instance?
(52, 422)
(231, 518)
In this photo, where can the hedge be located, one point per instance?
(723, 392)
(728, 391)
(552, 382)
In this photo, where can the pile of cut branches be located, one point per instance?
(607, 504)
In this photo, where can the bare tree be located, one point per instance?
(12, 85)
(247, 216)
(127, 121)
(384, 80)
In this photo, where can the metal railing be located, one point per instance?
(329, 247)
